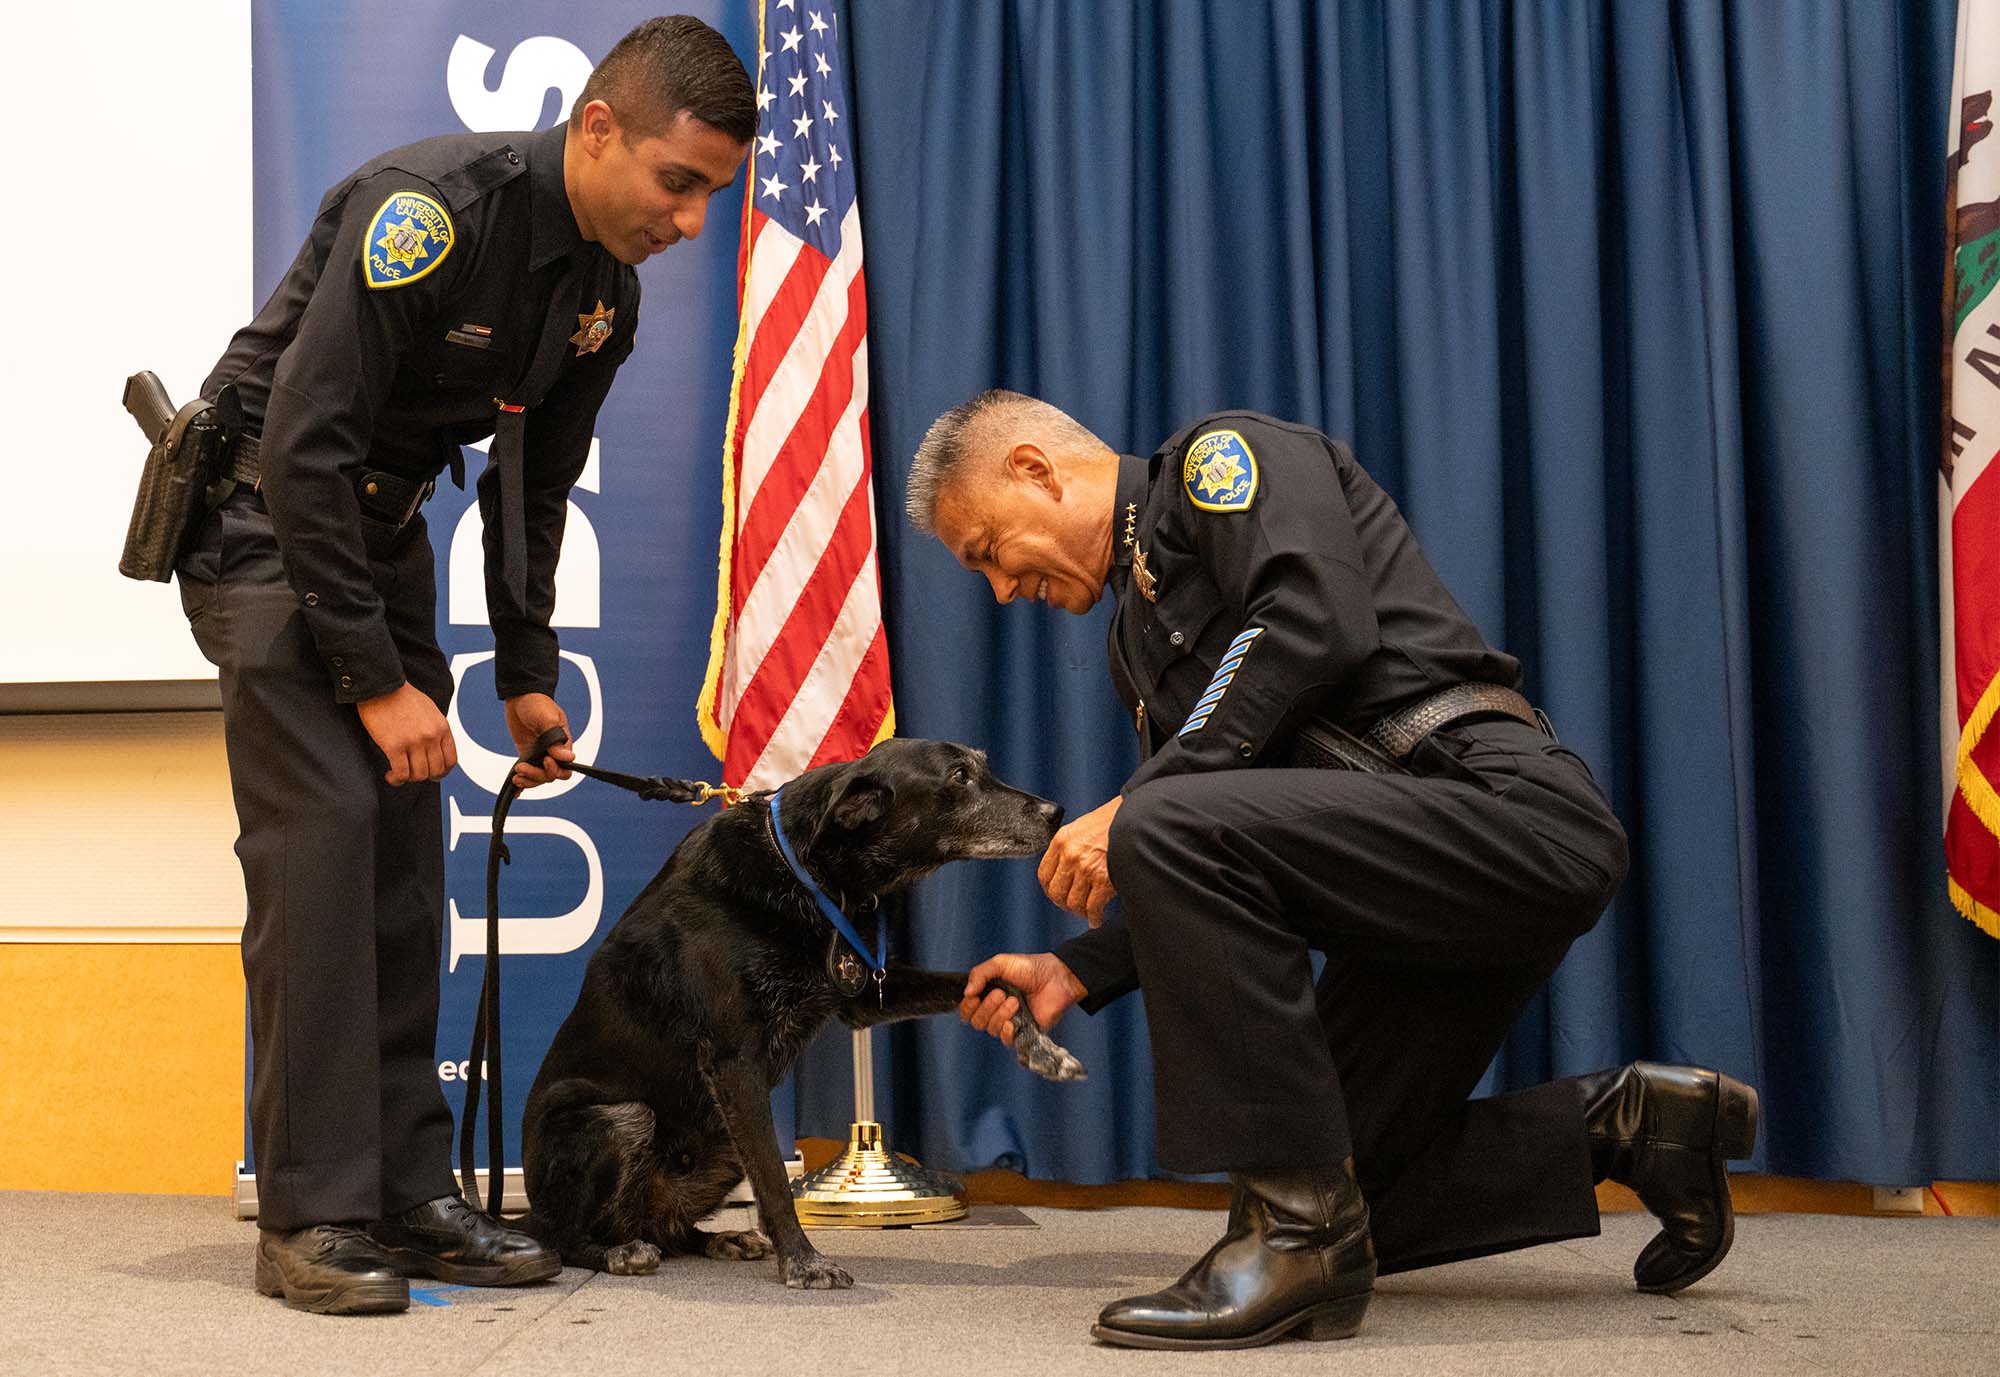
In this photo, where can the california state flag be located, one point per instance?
(1968, 477)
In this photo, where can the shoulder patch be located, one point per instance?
(1220, 472)
(408, 237)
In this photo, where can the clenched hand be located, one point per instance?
(528, 716)
(411, 733)
(1051, 988)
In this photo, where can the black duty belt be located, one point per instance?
(1321, 744)
(393, 498)
(242, 465)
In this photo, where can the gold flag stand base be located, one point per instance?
(869, 1187)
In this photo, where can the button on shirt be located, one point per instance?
(1284, 582)
(344, 370)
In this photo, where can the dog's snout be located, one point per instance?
(1052, 813)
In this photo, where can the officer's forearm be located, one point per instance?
(316, 519)
(1101, 961)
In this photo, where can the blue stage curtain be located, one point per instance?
(1634, 308)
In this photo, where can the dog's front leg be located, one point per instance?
(912, 992)
(745, 1101)
(907, 992)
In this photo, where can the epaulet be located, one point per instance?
(469, 181)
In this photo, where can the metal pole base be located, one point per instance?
(869, 1187)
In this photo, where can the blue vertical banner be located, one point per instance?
(335, 85)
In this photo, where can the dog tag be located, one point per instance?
(844, 969)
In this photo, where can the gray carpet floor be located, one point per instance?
(161, 1284)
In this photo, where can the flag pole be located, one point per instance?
(864, 1074)
(868, 1186)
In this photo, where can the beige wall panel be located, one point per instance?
(119, 828)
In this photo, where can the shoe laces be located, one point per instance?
(331, 1236)
(457, 1208)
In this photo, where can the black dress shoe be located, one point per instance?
(329, 1269)
(1296, 1258)
(450, 1240)
(1668, 1132)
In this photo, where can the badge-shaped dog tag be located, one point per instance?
(844, 968)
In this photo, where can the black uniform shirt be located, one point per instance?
(1279, 580)
(417, 303)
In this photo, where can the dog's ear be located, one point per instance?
(862, 798)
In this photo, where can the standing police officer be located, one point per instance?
(460, 287)
(1273, 609)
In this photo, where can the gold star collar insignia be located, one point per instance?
(1148, 581)
(592, 330)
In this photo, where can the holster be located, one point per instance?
(186, 461)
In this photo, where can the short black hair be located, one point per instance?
(670, 64)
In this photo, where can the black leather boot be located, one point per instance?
(450, 1240)
(1296, 1258)
(1668, 1133)
(329, 1269)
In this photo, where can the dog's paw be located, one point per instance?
(744, 1245)
(1041, 1053)
(635, 1259)
(1045, 1057)
(813, 1272)
(1034, 1048)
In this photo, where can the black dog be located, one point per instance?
(654, 1100)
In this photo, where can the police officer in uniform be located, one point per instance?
(456, 288)
(1275, 616)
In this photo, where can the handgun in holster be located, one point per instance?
(185, 473)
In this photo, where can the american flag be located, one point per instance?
(798, 669)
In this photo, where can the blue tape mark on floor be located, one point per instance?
(432, 1295)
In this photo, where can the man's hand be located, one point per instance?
(411, 733)
(1076, 870)
(1051, 988)
(528, 716)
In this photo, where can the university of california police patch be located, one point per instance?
(1220, 472)
(408, 237)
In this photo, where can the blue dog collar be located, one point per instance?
(879, 960)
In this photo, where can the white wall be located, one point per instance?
(126, 241)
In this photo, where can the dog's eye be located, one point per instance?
(961, 775)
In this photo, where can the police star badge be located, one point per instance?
(592, 330)
(844, 970)
(1220, 472)
(1148, 581)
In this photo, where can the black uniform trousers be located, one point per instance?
(1443, 900)
(345, 882)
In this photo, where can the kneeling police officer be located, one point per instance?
(460, 287)
(1334, 760)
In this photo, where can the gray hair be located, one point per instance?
(956, 436)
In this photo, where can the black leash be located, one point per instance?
(486, 1022)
